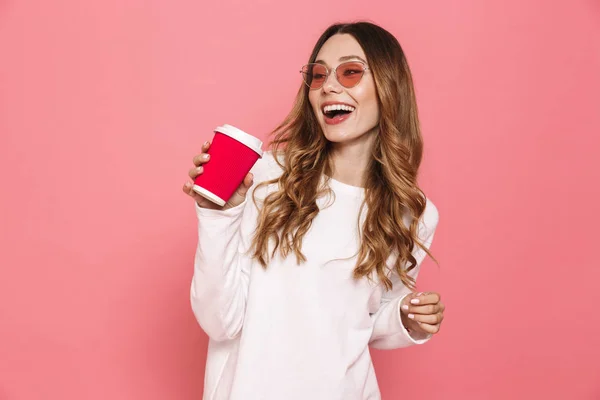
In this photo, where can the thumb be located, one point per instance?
(240, 194)
(246, 185)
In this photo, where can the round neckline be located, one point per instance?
(341, 187)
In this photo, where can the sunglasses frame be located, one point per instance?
(334, 70)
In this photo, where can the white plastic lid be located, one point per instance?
(242, 137)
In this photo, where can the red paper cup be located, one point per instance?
(233, 152)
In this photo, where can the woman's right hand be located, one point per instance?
(238, 197)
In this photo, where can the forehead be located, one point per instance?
(338, 46)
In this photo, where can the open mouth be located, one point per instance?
(336, 111)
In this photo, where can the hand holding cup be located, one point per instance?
(221, 177)
(199, 161)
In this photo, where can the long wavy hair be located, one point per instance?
(391, 190)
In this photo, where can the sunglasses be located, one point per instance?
(348, 74)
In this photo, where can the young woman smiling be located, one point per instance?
(315, 257)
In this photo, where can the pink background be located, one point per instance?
(104, 103)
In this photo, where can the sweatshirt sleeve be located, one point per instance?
(388, 330)
(222, 266)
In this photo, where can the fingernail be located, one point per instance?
(405, 307)
(411, 316)
(206, 156)
(200, 169)
(415, 301)
(206, 143)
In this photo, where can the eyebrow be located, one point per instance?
(344, 58)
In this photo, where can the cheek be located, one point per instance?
(312, 99)
(375, 109)
(368, 100)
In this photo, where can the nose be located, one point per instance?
(331, 84)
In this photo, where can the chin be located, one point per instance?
(337, 134)
(341, 134)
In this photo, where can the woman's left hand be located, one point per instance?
(422, 312)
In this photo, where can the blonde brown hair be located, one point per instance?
(391, 190)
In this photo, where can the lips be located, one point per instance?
(336, 112)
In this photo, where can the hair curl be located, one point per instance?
(391, 190)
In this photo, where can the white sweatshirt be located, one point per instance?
(294, 332)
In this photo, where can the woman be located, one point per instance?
(314, 258)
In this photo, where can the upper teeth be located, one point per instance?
(335, 107)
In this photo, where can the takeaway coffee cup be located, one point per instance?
(233, 152)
